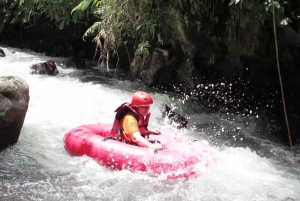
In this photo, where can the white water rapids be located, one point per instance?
(38, 167)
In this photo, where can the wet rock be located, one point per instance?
(14, 100)
(44, 68)
(2, 54)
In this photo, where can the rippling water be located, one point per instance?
(249, 166)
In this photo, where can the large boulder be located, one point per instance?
(44, 68)
(14, 99)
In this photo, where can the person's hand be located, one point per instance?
(157, 146)
(156, 132)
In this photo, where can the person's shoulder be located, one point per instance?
(129, 115)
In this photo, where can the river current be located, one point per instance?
(250, 166)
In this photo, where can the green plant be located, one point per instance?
(118, 20)
(26, 12)
(143, 48)
(144, 21)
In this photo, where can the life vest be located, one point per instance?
(121, 111)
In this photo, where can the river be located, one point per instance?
(250, 166)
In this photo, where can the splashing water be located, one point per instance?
(38, 168)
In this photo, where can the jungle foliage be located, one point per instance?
(26, 12)
(146, 21)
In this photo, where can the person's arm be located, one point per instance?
(156, 132)
(142, 142)
(130, 125)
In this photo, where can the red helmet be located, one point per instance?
(141, 98)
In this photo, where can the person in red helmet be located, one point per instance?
(131, 121)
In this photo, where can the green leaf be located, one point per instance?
(234, 2)
(180, 4)
(276, 4)
(143, 48)
(231, 2)
(75, 17)
(83, 6)
(61, 25)
(285, 21)
(198, 25)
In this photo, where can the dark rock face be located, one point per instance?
(14, 100)
(236, 75)
(76, 63)
(45, 68)
(2, 54)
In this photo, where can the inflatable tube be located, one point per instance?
(176, 160)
